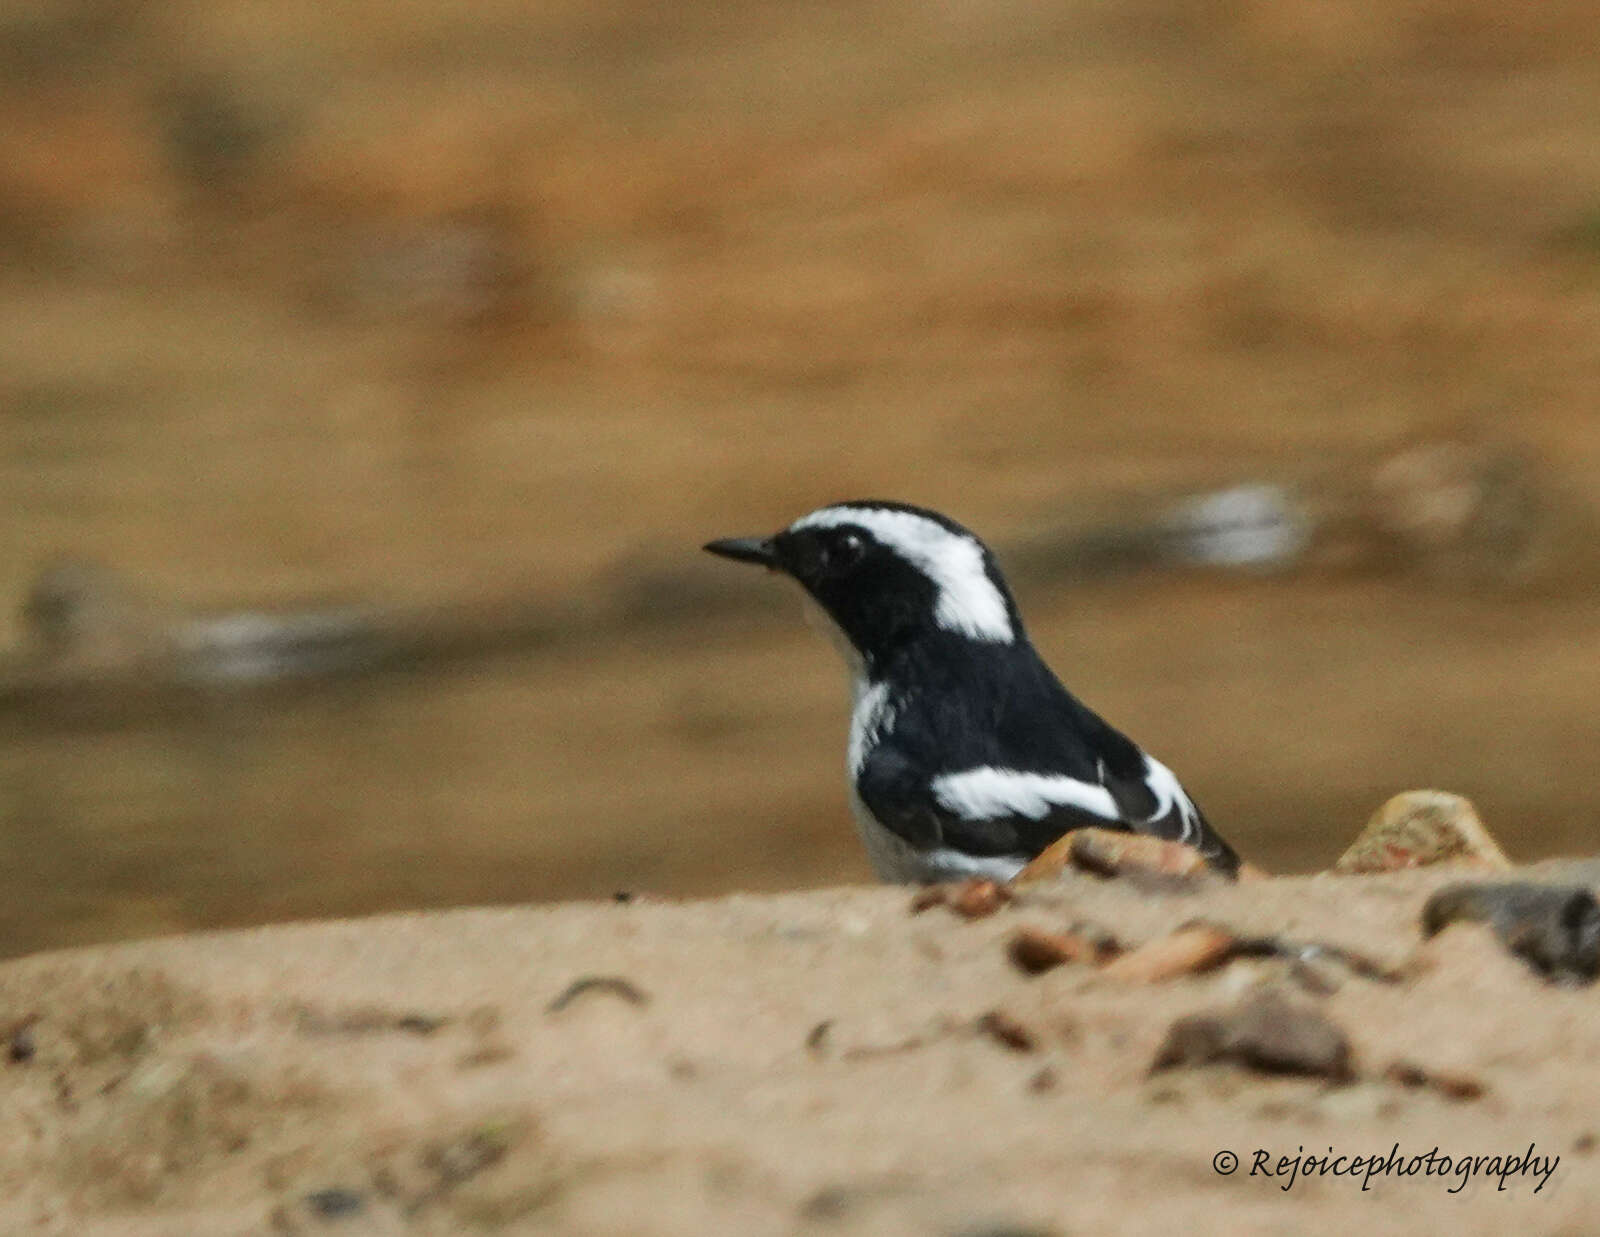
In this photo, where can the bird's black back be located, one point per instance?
(963, 705)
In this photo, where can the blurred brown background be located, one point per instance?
(424, 302)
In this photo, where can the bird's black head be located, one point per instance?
(887, 573)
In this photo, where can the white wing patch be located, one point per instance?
(968, 602)
(872, 716)
(986, 793)
(1163, 784)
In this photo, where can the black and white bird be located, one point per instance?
(967, 757)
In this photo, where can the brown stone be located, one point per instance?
(1191, 949)
(1418, 828)
(1035, 950)
(1264, 1032)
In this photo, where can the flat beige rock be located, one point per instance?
(1113, 852)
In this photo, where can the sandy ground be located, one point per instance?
(799, 1063)
(434, 301)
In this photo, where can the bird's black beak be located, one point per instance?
(745, 550)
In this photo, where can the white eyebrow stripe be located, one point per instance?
(968, 601)
(986, 793)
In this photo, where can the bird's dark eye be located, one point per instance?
(842, 553)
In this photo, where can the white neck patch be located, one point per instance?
(968, 601)
(871, 717)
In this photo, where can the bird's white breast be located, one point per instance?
(871, 717)
(892, 857)
(897, 862)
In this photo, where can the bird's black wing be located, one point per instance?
(996, 812)
(907, 801)
(1148, 795)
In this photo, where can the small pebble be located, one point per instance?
(20, 1048)
(1034, 950)
(978, 899)
(1191, 949)
(1007, 1031)
(364, 1020)
(336, 1203)
(971, 899)
(1447, 1083)
(1263, 1032)
(419, 1024)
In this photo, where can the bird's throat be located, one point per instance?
(822, 621)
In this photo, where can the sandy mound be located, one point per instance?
(824, 1062)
